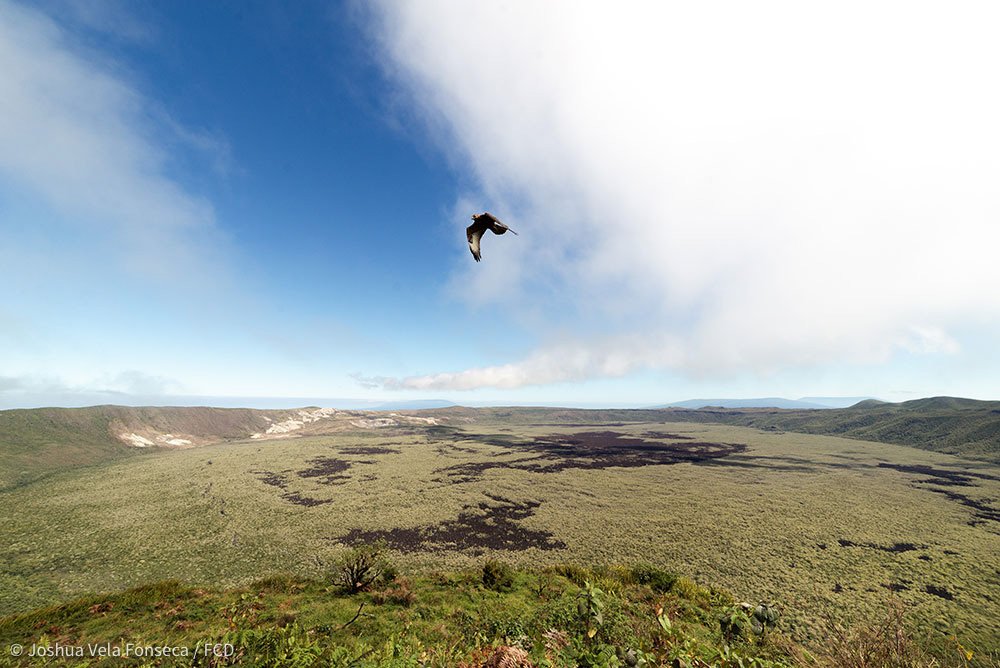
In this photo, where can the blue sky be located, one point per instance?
(263, 199)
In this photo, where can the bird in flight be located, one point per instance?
(480, 223)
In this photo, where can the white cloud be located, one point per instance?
(716, 188)
(129, 382)
(138, 382)
(128, 388)
(76, 133)
(569, 361)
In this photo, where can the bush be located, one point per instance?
(735, 622)
(362, 567)
(497, 575)
(656, 579)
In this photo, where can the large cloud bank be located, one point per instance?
(716, 188)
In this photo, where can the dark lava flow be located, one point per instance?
(983, 510)
(493, 526)
(940, 592)
(329, 469)
(370, 450)
(940, 476)
(895, 547)
(280, 481)
(593, 450)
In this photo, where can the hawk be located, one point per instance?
(480, 223)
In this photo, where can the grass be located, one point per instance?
(825, 527)
(566, 615)
(447, 619)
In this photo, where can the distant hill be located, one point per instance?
(768, 402)
(764, 402)
(38, 442)
(944, 424)
(89, 399)
(837, 402)
(412, 405)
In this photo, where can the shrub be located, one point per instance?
(497, 575)
(765, 618)
(362, 567)
(590, 607)
(735, 622)
(658, 580)
(744, 621)
(389, 571)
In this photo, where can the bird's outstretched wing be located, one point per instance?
(474, 233)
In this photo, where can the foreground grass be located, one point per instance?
(558, 616)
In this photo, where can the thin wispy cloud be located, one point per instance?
(108, 17)
(125, 382)
(76, 134)
(717, 188)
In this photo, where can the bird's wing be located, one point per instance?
(474, 236)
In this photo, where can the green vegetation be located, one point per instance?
(362, 567)
(943, 424)
(449, 619)
(826, 529)
(497, 575)
(37, 442)
(953, 425)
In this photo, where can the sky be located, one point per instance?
(216, 201)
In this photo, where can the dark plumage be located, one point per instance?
(480, 223)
